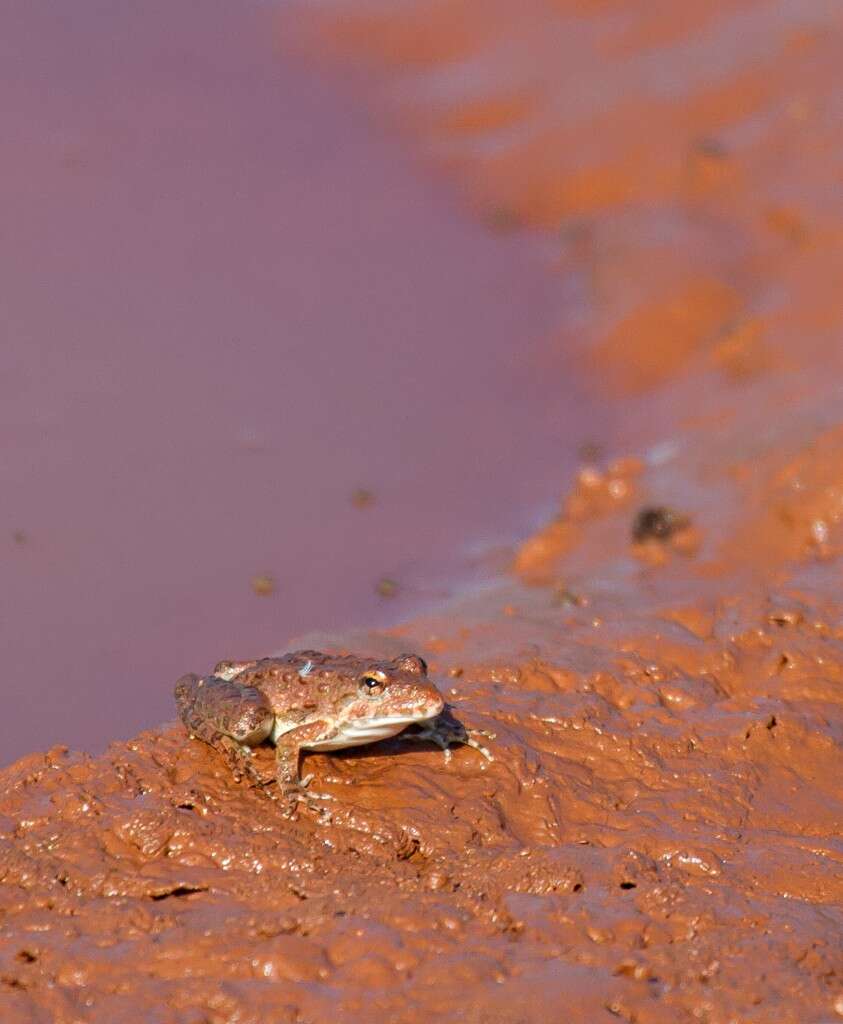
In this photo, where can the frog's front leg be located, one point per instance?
(227, 716)
(443, 731)
(288, 748)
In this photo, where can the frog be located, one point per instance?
(308, 700)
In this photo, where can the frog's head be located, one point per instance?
(363, 699)
(396, 689)
(383, 697)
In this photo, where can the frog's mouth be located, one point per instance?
(366, 730)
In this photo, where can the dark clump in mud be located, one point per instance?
(658, 523)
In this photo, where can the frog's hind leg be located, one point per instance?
(228, 716)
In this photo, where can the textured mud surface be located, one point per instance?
(658, 838)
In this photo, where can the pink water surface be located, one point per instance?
(228, 300)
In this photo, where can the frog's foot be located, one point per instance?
(444, 731)
(240, 761)
(294, 794)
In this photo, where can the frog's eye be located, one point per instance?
(371, 685)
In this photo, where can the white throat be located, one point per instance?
(353, 733)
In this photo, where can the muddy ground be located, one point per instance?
(658, 837)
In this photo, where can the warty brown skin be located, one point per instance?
(307, 700)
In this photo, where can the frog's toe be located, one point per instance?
(477, 745)
(484, 732)
(240, 761)
(444, 734)
(311, 797)
(295, 796)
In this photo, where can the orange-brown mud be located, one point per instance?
(659, 837)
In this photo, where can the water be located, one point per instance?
(229, 302)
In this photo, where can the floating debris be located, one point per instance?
(386, 587)
(263, 585)
(362, 497)
(710, 147)
(591, 452)
(563, 595)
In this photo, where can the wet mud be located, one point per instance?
(658, 838)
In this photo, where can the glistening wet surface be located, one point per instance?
(234, 312)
